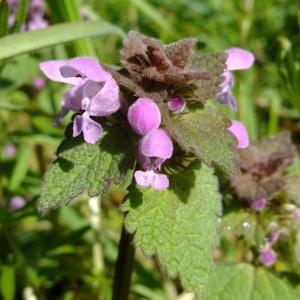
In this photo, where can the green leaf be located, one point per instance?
(215, 65)
(4, 11)
(21, 167)
(244, 281)
(19, 43)
(205, 134)
(179, 224)
(20, 16)
(84, 167)
(7, 282)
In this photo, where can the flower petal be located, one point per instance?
(107, 100)
(267, 257)
(92, 131)
(144, 116)
(51, 69)
(157, 144)
(77, 125)
(143, 179)
(228, 99)
(160, 182)
(239, 59)
(83, 67)
(241, 134)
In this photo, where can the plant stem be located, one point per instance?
(124, 267)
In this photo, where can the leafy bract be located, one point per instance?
(205, 134)
(84, 167)
(244, 281)
(179, 224)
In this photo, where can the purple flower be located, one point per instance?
(267, 256)
(36, 18)
(240, 132)
(258, 204)
(144, 116)
(16, 202)
(38, 83)
(176, 104)
(10, 150)
(93, 91)
(154, 149)
(238, 59)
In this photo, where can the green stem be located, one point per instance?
(124, 267)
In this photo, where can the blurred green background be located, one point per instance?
(64, 255)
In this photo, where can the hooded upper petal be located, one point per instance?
(51, 69)
(83, 67)
(239, 59)
(240, 132)
(157, 144)
(144, 116)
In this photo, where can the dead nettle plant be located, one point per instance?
(149, 125)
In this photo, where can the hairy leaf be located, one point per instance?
(291, 189)
(250, 187)
(204, 133)
(148, 62)
(179, 225)
(262, 164)
(243, 281)
(84, 167)
(180, 52)
(268, 155)
(213, 64)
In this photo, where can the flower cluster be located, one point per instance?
(93, 93)
(152, 76)
(36, 18)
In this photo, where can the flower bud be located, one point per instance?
(176, 104)
(16, 202)
(258, 204)
(267, 257)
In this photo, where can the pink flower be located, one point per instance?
(176, 104)
(238, 59)
(93, 90)
(155, 148)
(10, 150)
(38, 83)
(17, 202)
(155, 145)
(267, 256)
(240, 132)
(144, 116)
(258, 204)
